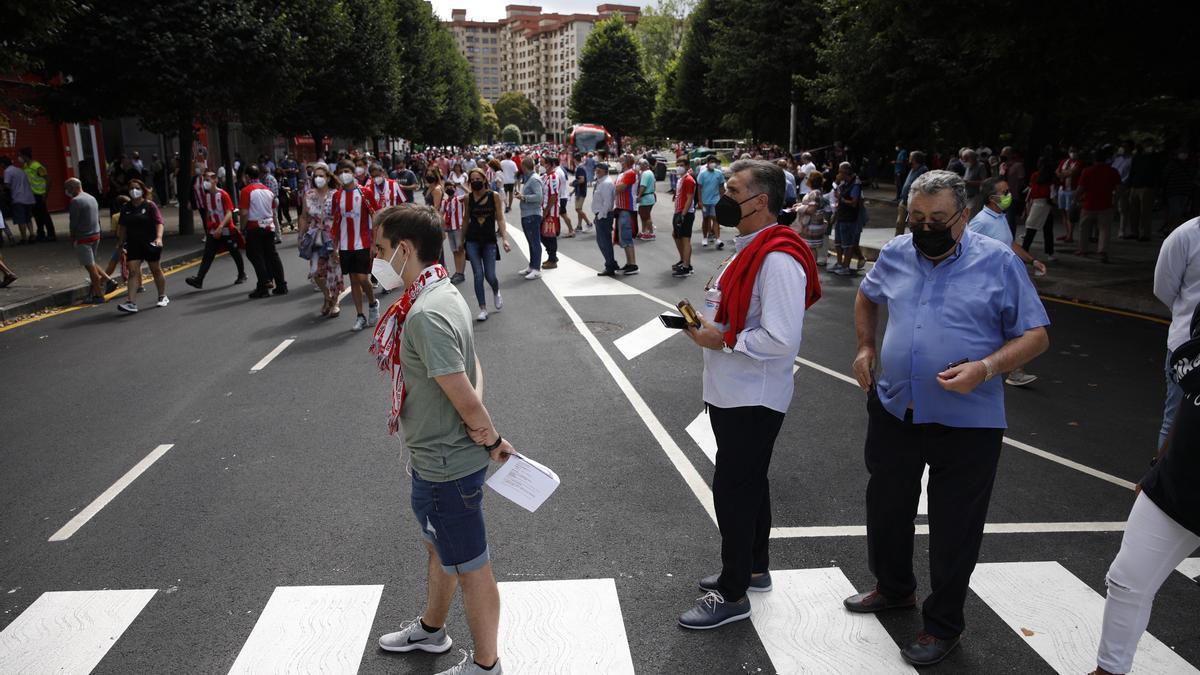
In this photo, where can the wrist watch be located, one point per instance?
(990, 372)
(726, 348)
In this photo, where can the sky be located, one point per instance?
(493, 10)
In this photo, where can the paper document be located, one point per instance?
(524, 481)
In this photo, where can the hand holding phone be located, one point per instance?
(673, 321)
(690, 314)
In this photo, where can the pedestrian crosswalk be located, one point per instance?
(579, 626)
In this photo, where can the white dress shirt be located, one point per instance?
(1177, 279)
(759, 371)
(603, 197)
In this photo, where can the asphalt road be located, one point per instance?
(286, 478)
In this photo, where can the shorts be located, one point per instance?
(355, 262)
(848, 233)
(562, 205)
(710, 210)
(625, 220)
(681, 225)
(450, 514)
(22, 214)
(142, 250)
(1064, 198)
(86, 253)
(455, 237)
(508, 187)
(579, 203)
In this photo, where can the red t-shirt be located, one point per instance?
(1098, 182)
(1038, 190)
(685, 194)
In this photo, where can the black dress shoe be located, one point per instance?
(928, 650)
(280, 289)
(260, 293)
(874, 601)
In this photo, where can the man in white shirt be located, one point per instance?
(560, 175)
(806, 168)
(1177, 285)
(508, 172)
(602, 206)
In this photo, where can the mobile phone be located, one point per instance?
(956, 363)
(689, 313)
(673, 321)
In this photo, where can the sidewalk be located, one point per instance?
(50, 275)
(1127, 283)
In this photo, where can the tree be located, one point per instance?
(28, 23)
(514, 107)
(489, 125)
(612, 89)
(511, 133)
(683, 108)
(659, 31)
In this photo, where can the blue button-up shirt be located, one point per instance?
(992, 224)
(965, 307)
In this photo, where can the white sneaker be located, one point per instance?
(499, 302)
(128, 307)
(163, 301)
(359, 323)
(534, 274)
(704, 242)
(467, 666)
(412, 637)
(482, 315)
(525, 271)
(1019, 378)
(373, 314)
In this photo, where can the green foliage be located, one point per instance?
(683, 109)
(511, 133)
(514, 107)
(612, 89)
(659, 31)
(28, 23)
(489, 124)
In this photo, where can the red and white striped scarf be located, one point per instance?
(386, 343)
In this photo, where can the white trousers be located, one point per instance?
(1152, 547)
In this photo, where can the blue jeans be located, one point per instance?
(451, 518)
(605, 242)
(1174, 398)
(483, 264)
(532, 226)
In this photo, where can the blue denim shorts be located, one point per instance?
(625, 220)
(451, 518)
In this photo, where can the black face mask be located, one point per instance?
(430, 178)
(729, 211)
(933, 243)
(477, 185)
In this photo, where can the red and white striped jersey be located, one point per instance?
(685, 194)
(217, 204)
(257, 203)
(550, 193)
(352, 211)
(389, 194)
(452, 212)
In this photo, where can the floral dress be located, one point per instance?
(320, 259)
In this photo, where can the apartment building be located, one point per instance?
(533, 52)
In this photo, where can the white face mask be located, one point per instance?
(358, 170)
(347, 178)
(208, 185)
(379, 180)
(712, 167)
(319, 181)
(385, 274)
(135, 194)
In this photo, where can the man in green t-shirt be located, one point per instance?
(425, 342)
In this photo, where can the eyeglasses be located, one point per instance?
(932, 225)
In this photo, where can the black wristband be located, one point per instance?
(493, 446)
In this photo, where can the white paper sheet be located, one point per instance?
(524, 481)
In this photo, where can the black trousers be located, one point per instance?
(211, 246)
(551, 246)
(260, 249)
(962, 467)
(41, 215)
(741, 494)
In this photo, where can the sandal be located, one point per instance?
(325, 307)
(333, 313)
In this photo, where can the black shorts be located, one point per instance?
(356, 262)
(142, 250)
(508, 187)
(681, 225)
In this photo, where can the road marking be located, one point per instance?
(701, 432)
(69, 631)
(569, 626)
(828, 371)
(989, 528)
(1095, 473)
(270, 357)
(311, 629)
(1189, 568)
(1059, 617)
(1107, 310)
(644, 338)
(923, 503)
(108, 495)
(805, 629)
(674, 454)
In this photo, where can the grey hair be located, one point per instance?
(918, 157)
(643, 162)
(933, 182)
(74, 185)
(987, 189)
(969, 153)
(846, 166)
(764, 178)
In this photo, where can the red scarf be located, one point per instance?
(386, 343)
(737, 282)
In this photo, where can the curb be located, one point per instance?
(64, 297)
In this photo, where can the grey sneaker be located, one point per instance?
(468, 666)
(712, 611)
(412, 637)
(1019, 378)
(373, 314)
(359, 323)
(760, 584)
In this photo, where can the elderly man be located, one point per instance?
(85, 234)
(917, 161)
(961, 310)
(754, 309)
(974, 173)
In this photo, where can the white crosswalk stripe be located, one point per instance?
(568, 626)
(68, 632)
(1190, 568)
(1059, 616)
(644, 338)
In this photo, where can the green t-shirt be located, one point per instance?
(437, 340)
(647, 179)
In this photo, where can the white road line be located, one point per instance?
(271, 356)
(310, 629)
(570, 626)
(644, 338)
(828, 371)
(701, 432)
(805, 629)
(1059, 617)
(1095, 473)
(108, 495)
(69, 632)
(1189, 568)
(989, 528)
(923, 504)
(675, 455)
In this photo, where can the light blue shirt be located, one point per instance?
(992, 224)
(789, 190)
(710, 183)
(966, 307)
